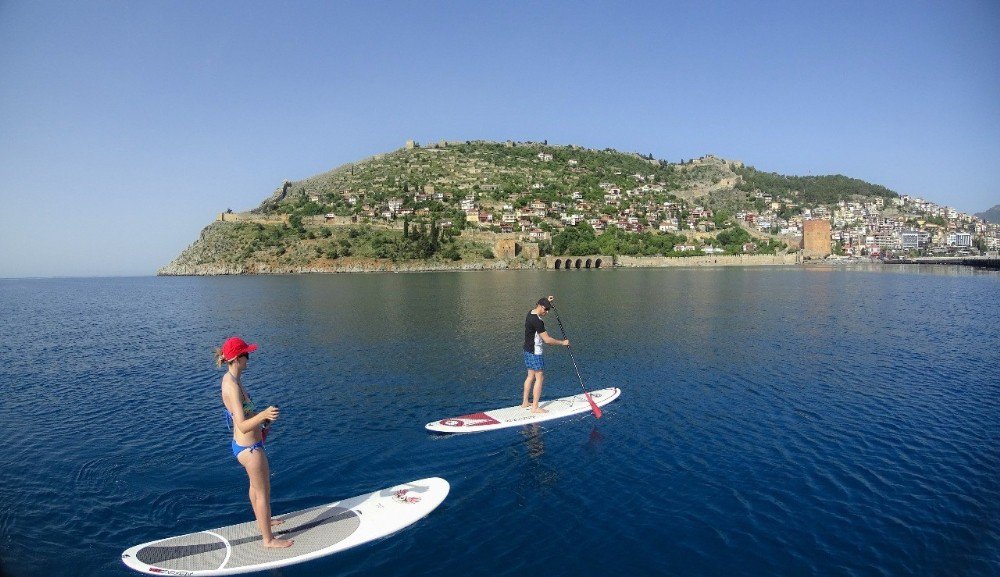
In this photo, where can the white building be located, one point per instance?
(669, 225)
(909, 239)
(961, 239)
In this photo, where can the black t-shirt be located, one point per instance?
(533, 328)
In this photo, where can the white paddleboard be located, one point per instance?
(514, 416)
(318, 531)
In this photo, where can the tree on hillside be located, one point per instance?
(733, 239)
(575, 240)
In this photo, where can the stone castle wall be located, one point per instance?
(816, 238)
(249, 217)
(710, 260)
(505, 248)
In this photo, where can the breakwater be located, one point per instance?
(983, 262)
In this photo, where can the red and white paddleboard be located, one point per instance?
(514, 416)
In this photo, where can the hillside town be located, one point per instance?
(886, 228)
(874, 227)
(486, 205)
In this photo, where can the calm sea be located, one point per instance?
(773, 421)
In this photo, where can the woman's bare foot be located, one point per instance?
(278, 543)
(276, 522)
(538, 410)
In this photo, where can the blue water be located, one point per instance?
(774, 421)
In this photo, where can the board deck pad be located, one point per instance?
(317, 531)
(517, 415)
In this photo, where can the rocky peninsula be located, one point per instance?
(481, 205)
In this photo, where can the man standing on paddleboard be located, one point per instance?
(534, 336)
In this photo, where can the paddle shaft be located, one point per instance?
(593, 405)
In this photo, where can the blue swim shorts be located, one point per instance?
(533, 361)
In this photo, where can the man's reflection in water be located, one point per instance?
(535, 477)
(533, 435)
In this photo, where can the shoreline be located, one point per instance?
(547, 263)
(557, 263)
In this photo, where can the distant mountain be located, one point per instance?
(992, 215)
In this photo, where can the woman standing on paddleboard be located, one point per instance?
(249, 431)
(534, 336)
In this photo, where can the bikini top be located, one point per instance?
(248, 408)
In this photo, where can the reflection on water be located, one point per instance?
(536, 472)
(533, 440)
(595, 439)
(922, 269)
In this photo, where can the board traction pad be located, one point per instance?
(312, 529)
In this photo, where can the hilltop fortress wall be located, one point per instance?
(250, 217)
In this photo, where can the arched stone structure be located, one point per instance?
(579, 262)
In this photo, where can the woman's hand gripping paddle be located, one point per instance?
(593, 405)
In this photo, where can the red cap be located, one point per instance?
(234, 347)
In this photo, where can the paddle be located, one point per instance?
(593, 405)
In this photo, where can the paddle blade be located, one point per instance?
(593, 406)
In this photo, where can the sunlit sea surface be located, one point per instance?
(773, 421)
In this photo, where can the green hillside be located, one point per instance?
(812, 190)
(493, 171)
(513, 173)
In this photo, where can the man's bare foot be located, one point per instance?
(276, 522)
(538, 410)
(278, 543)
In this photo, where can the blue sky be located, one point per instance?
(125, 127)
